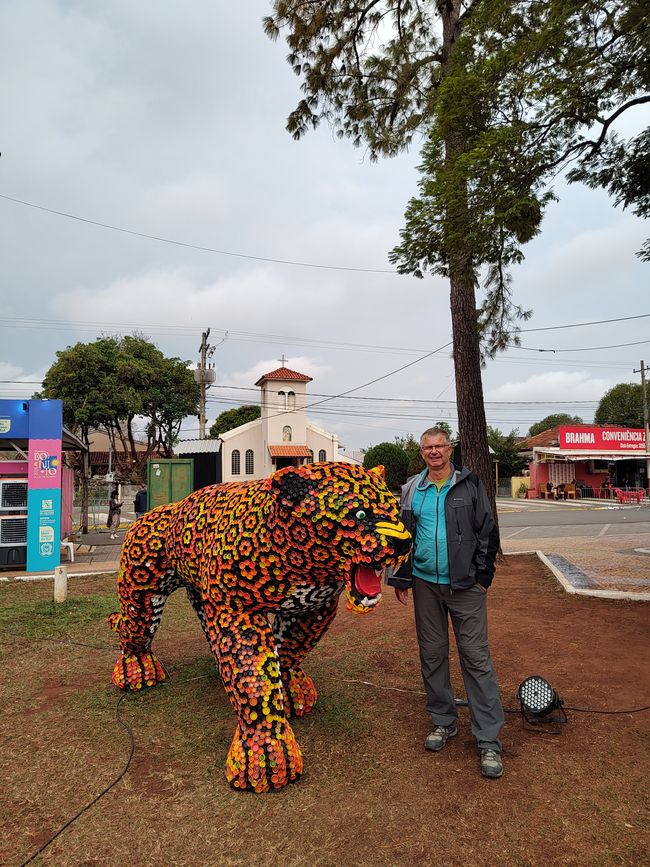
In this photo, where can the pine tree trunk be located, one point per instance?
(472, 425)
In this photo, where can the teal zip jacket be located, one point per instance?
(472, 537)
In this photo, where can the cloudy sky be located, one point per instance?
(167, 119)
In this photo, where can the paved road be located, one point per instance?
(558, 520)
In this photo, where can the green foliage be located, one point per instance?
(412, 448)
(553, 420)
(232, 418)
(506, 93)
(394, 460)
(506, 452)
(621, 405)
(111, 381)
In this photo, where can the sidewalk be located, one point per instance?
(614, 567)
(95, 554)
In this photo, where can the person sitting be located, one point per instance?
(560, 492)
(550, 492)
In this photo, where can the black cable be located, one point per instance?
(593, 710)
(129, 731)
(198, 246)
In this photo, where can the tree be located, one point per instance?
(394, 460)
(506, 93)
(506, 452)
(553, 420)
(232, 418)
(621, 405)
(110, 383)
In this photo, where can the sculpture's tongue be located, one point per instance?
(367, 582)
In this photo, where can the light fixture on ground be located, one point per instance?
(539, 702)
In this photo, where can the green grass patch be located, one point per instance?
(338, 714)
(55, 620)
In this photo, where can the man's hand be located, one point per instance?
(401, 595)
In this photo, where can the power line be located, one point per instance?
(583, 348)
(197, 246)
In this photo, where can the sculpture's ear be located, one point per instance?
(291, 485)
(379, 472)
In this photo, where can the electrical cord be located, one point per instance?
(104, 791)
(506, 709)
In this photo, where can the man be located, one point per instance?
(140, 501)
(455, 541)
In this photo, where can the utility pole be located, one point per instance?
(204, 376)
(644, 396)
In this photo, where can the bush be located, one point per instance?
(394, 460)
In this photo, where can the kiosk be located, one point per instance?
(30, 495)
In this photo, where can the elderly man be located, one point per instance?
(451, 567)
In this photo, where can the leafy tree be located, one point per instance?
(112, 382)
(394, 460)
(232, 418)
(506, 452)
(552, 420)
(77, 378)
(506, 93)
(621, 405)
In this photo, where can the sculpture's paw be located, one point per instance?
(299, 692)
(137, 670)
(264, 760)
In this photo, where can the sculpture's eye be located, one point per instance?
(361, 515)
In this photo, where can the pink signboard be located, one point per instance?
(44, 469)
(603, 439)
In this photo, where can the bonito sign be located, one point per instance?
(606, 439)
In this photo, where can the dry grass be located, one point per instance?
(370, 794)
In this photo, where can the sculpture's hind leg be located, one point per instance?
(144, 583)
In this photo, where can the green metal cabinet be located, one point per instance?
(169, 480)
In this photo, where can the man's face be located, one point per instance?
(436, 452)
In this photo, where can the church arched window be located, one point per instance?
(286, 433)
(235, 463)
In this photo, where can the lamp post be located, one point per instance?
(645, 426)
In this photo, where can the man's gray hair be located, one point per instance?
(435, 432)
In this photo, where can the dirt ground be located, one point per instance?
(370, 794)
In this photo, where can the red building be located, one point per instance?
(590, 456)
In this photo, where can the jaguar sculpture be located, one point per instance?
(263, 563)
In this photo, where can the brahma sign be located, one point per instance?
(603, 439)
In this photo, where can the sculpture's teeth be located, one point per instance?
(370, 603)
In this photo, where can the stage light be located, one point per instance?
(540, 703)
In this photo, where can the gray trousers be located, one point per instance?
(434, 603)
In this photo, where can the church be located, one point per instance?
(283, 436)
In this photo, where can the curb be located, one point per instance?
(568, 587)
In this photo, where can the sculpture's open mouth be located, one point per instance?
(364, 589)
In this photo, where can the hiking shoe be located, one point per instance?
(491, 765)
(436, 740)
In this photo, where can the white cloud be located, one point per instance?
(553, 385)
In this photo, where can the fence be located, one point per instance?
(99, 492)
